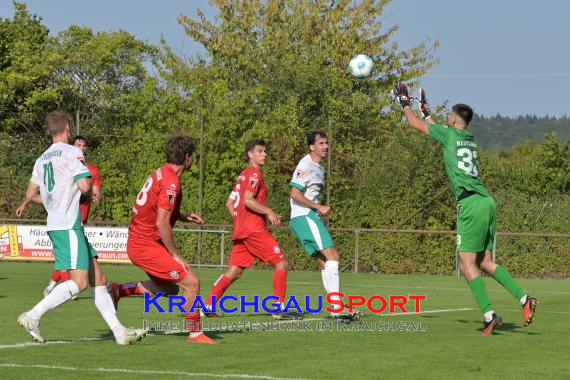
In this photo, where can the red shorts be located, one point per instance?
(259, 245)
(153, 257)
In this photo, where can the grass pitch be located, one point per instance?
(80, 345)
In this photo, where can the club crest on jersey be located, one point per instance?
(171, 196)
(299, 173)
(277, 249)
(173, 274)
(173, 186)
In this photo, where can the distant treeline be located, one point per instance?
(498, 131)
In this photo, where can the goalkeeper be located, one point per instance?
(477, 209)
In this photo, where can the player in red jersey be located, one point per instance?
(84, 205)
(151, 245)
(251, 236)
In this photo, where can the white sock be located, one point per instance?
(332, 279)
(324, 280)
(489, 315)
(104, 304)
(523, 299)
(57, 296)
(52, 284)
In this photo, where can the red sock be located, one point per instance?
(129, 289)
(192, 322)
(63, 275)
(55, 276)
(220, 286)
(280, 284)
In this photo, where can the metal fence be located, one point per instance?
(373, 249)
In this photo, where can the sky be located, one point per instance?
(503, 57)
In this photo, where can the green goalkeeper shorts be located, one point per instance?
(476, 224)
(311, 232)
(71, 249)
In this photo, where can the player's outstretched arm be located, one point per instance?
(191, 217)
(415, 122)
(165, 229)
(251, 203)
(32, 196)
(298, 197)
(97, 194)
(230, 206)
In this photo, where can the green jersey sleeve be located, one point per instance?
(439, 132)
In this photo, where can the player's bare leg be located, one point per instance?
(500, 274)
(191, 288)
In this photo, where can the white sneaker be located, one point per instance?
(32, 326)
(129, 336)
(47, 291)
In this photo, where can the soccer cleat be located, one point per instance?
(283, 316)
(529, 309)
(114, 292)
(32, 326)
(129, 336)
(47, 291)
(202, 338)
(489, 327)
(355, 315)
(208, 313)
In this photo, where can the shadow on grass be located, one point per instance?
(505, 327)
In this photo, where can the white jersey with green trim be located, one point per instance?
(309, 177)
(55, 172)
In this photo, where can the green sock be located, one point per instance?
(504, 278)
(479, 291)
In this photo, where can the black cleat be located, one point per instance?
(489, 327)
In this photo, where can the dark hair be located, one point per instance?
(177, 148)
(57, 120)
(79, 137)
(463, 111)
(250, 146)
(313, 136)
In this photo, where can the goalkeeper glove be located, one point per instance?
(423, 103)
(401, 93)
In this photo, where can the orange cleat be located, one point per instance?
(529, 310)
(489, 327)
(202, 338)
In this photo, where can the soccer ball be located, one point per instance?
(361, 66)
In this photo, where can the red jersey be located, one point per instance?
(161, 190)
(85, 207)
(247, 221)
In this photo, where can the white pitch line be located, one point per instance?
(416, 287)
(34, 344)
(147, 372)
(171, 332)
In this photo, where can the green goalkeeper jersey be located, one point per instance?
(461, 157)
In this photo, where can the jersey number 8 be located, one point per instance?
(143, 195)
